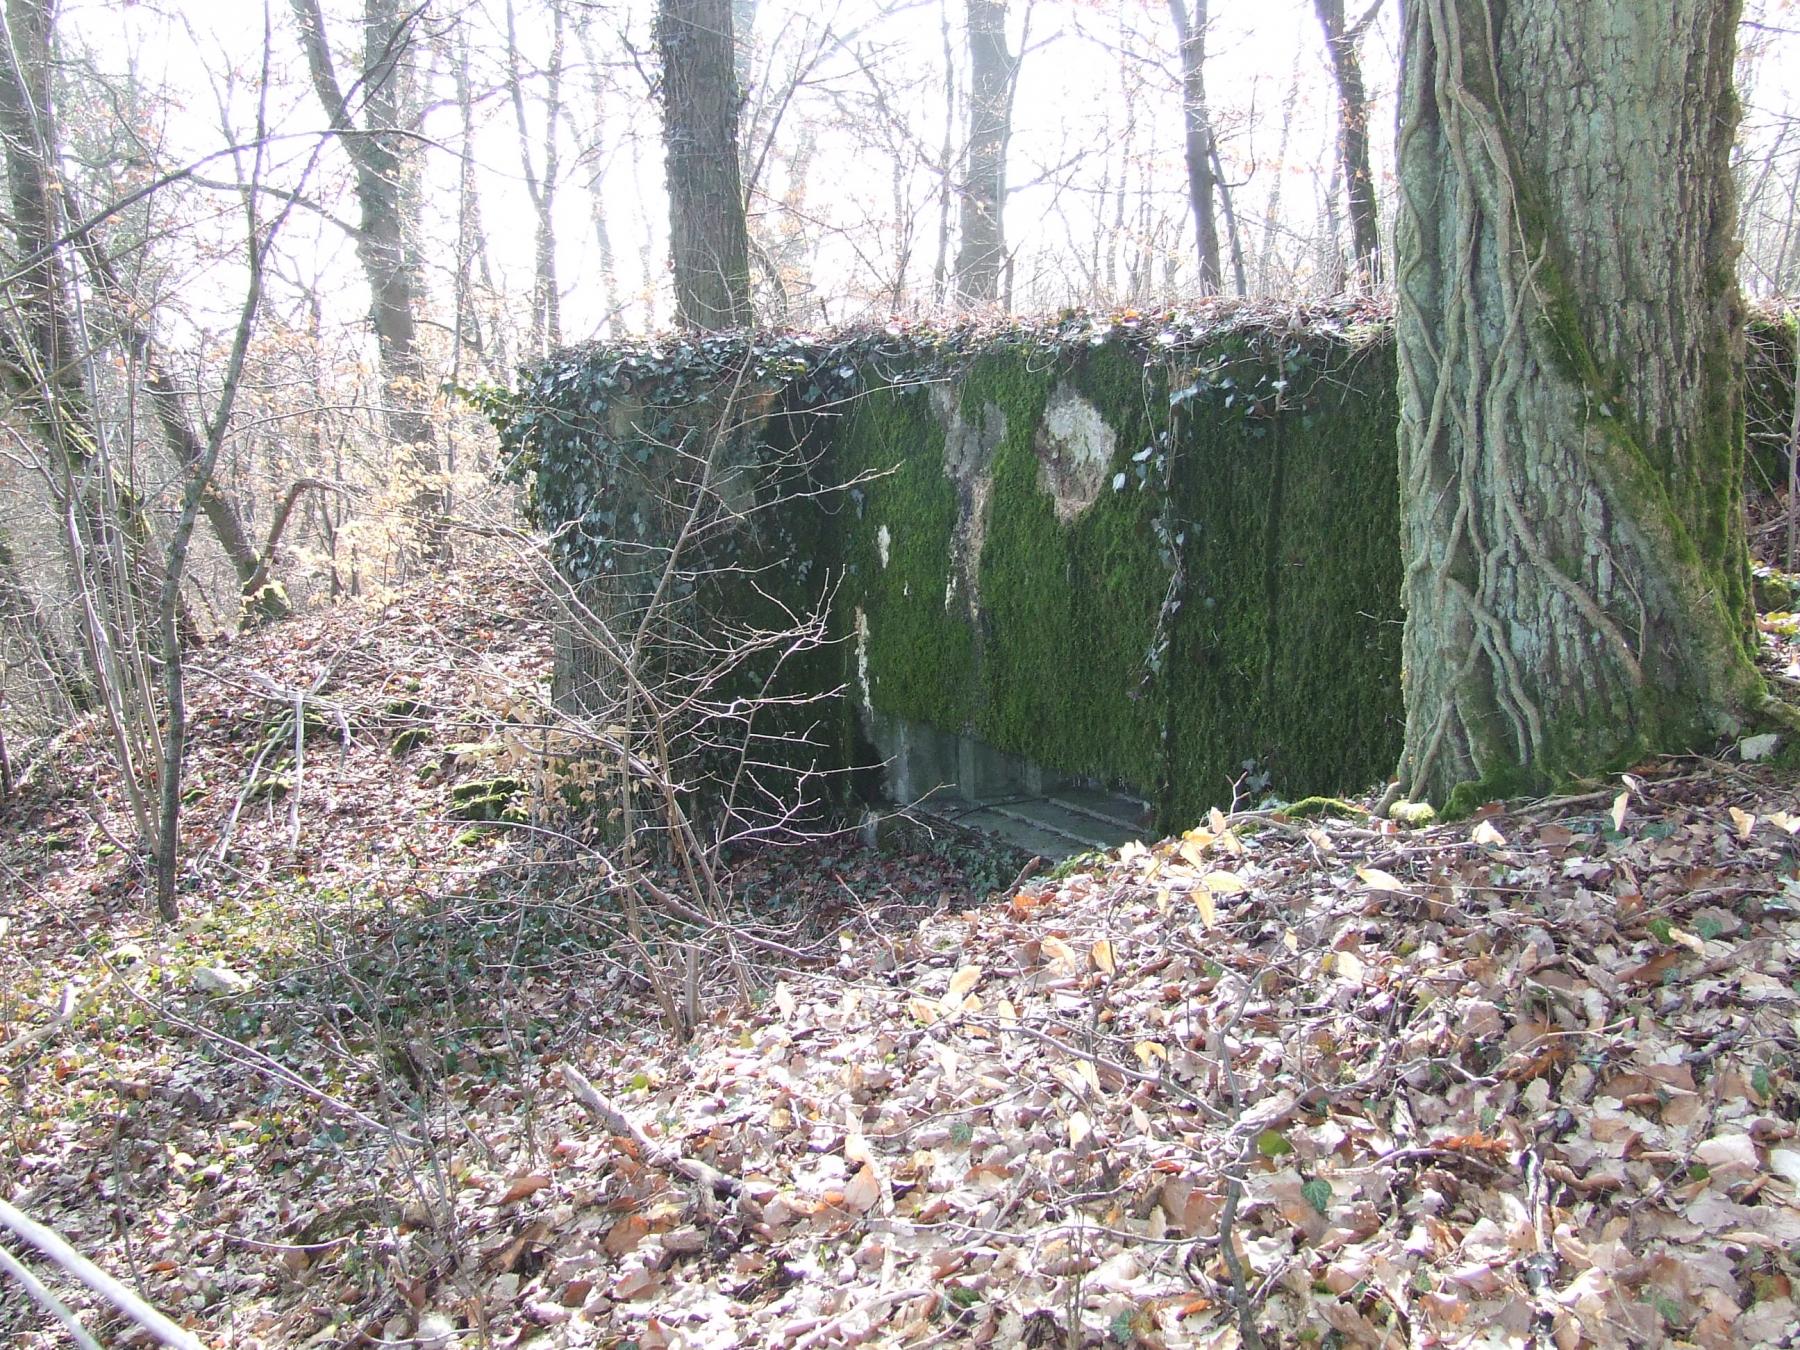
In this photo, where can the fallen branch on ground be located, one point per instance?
(658, 1155)
(73, 1263)
(65, 1013)
(46, 1300)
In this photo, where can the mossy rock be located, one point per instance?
(1308, 808)
(274, 782)
(1776, 591)
(267, 604)
(408, 741)
(488, 799)
(278, 730)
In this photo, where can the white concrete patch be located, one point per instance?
(862, 659)
(968, 461)
(1074, 449)
(883, 542)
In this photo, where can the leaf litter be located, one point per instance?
(1524, 1079)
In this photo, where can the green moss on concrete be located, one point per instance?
(1331, 697)
(1069, 610)
(766, 574)
(1769, 398)
(1277, 670)
(1286, 658)
(920, 649)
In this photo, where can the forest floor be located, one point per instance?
(1530, 1078)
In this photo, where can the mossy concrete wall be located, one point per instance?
(1165, 564)
(1163, 576)
(1770, 360)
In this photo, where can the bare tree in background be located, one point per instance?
(708, 243)
(592, 159)
(993, 75)
(379, 148)
(1199, 151)
(44, 372)
(59, 364)
(1341, 44)
(546, 308)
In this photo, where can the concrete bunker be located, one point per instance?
(1102, 561)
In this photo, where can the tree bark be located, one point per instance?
(708, 243)
(378, 152)
(1197, 150)
(44, 351)
(1341, 45)
(981, 249)
(1571, 435)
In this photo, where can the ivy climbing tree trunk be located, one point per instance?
(993, 71)
(1571, 435)
(709, 245)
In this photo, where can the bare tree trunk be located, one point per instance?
(170, 408)
(708, 242)
(1233, 240)
(1198, 150)
(44, 359)
(1265, 266)
(981, 250)
(1341, 44)
(940, 270)
(546, 318)
(600, 209)
(379, 153)
(1571, 437)
(1330, 244)
(20, 608)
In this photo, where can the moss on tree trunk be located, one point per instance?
(1571, 430)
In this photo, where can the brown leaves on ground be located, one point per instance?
(1525, 1079)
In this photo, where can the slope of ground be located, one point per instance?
(1289, 1079)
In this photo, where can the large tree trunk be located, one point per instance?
(378, 151)
(1341, 43)
(981, 249)
(1196, 124)
(708, 243)
(1571, 436)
